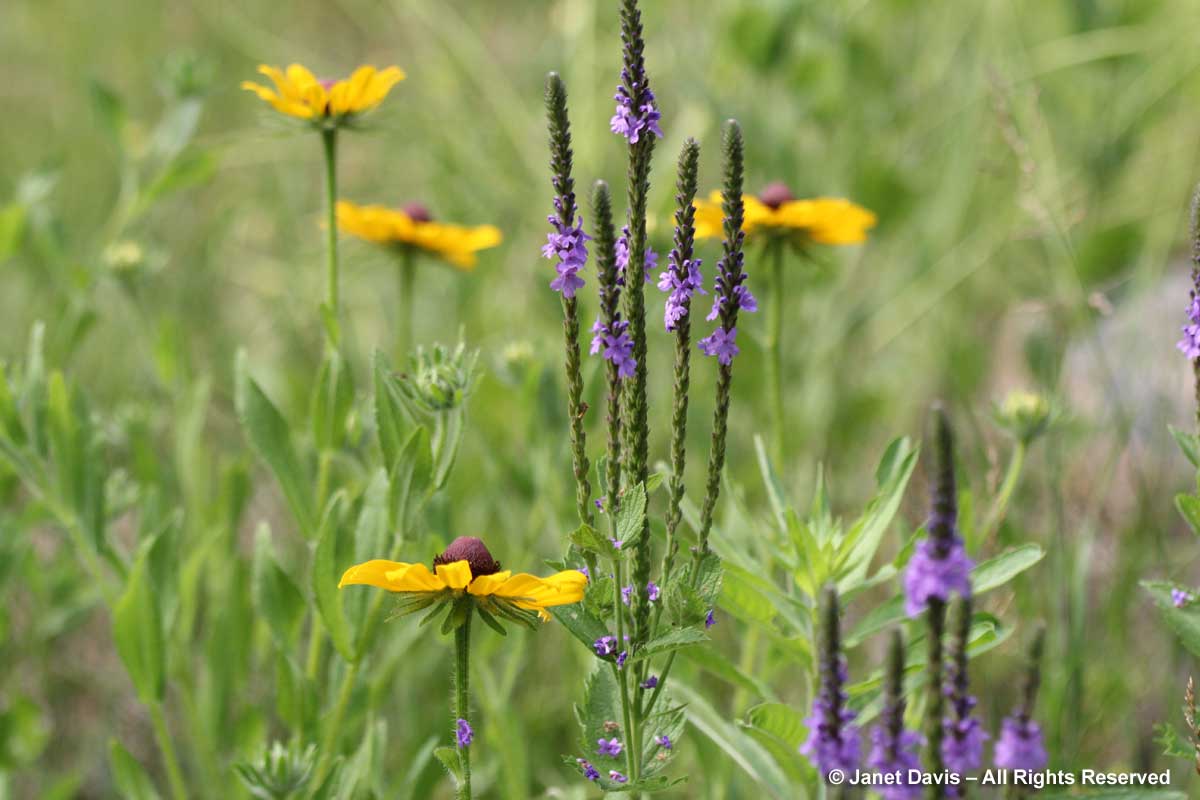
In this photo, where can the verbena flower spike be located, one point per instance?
(895, 749)
(1020, 744)
(567, 244)
(619, 363)
(1189, 344)
(963, 734)
(466, 581)
(833, 742)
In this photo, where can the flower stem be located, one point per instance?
(332, 733)
(329, 139)
(404, 323)
(170, 760)
(462, 702)
(935, 701)
(775, 353)
(999, 507)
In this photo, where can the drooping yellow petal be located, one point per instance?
(394, 576)
(456, 574)
(534, 593)
(487, 584)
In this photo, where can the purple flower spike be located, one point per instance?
(962, 746)
(463, 732)
(722, 344)
(589, 771)
(612, 748)
(613, 775)
(832, 741)
(1020, 745)
(892, 754)
(605, 645)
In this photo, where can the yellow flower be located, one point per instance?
(824, 220)
(298, 93)
(413, 227)
(467, 568)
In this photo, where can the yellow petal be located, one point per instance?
(709, 219)
(534, 593)
(456, 575)
(377, 87)
(487, 584)
(394, 576)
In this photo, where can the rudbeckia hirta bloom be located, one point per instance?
(298, 93)
(413, 227)
(465, 572)
(822, 220)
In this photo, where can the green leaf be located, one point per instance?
(325, 575)
(580, 623)
(188, 170)
(631, 516)
(1185, 622)
(411, 479)
(271, 438)
(600, 713)
(276, 597)
(995, 572)
(1189, 508)
(12, 229)
(111, 110)
(332, 401)
(892, 476)
(588, 539)
(780, 730)
(448, 757)
(743, 751)
(390, 421)
(986, 576)
(128, 775)
(1189, 443)
(668, 642)
(138, 634)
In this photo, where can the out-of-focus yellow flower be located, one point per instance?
(413, 227)
(823, 220)
(298, 93)
(467, 567)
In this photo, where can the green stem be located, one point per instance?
(775, 353)
(631, 765)
(999, 507)
(404, 323)
(462, 703)
(170, 760)
(333, 732)
(329, 139)
(316, 638)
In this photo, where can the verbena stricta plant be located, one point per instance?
(632, 620)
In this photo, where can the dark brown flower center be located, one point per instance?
(474, 552)
(776, 194)
(418, 213)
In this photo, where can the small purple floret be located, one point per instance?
(1180, 598)
(613, 775)
(621, 252)
(631, 123)
(896, 754)
(589, 771)
(1189, 345)
(722, 344)
(663, 741)
(709, 619)
(612, 748)
(463, 732)
(626, 594)
(650, 682)
(652, 591)
(568, 244)
(605, 645)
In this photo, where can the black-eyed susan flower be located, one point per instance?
(298, 93)
(466, 579)
(414, 228)
(823, 220)
(466, 571)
